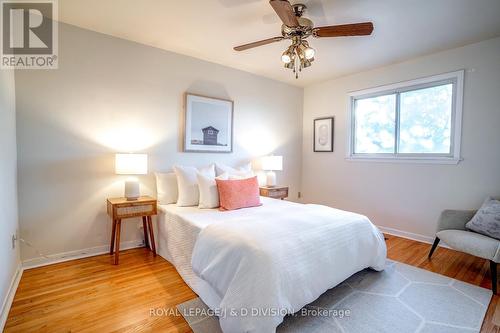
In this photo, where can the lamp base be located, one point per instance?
(132, 190)
(271, 178)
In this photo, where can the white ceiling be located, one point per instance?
(208, 29)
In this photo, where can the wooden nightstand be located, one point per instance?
(275, 192)
(121, 208)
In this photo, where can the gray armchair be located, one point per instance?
(452, 231)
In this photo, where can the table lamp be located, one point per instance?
(270, 164)
(131, 164)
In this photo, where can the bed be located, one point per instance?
(256, 265)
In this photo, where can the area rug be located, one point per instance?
(401, 298)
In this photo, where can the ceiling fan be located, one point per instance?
(299, 54)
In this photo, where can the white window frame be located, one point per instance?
(456, 78)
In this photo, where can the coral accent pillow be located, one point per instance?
(238, 193)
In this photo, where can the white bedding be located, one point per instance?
(277, 257)
(178, 228)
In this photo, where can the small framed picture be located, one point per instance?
(323, 134)
(208, 124)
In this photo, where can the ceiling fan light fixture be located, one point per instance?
(285, 57)
(309, 52)
(288, 55)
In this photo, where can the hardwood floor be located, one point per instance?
(92, 295)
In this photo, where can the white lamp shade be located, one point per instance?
(131, 164)
(272, 163)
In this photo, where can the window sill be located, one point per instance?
(414, 160)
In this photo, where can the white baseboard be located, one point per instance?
(406, 234)
(9, 298)
(78, 254)
(410, 235)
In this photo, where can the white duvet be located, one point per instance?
(265, 263)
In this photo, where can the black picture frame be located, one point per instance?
(329, 133)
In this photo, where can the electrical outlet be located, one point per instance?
(14, 238)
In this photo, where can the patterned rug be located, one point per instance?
(401, 298)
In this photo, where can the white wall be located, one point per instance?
(111, 95)
(409, 197)
(9, 257)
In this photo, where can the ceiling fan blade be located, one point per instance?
(356, 29)
(259, 43)
(285, 11)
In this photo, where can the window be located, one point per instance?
(419, 120)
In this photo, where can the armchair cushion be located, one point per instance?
(471, 243)
(487, 219)
(454, 219)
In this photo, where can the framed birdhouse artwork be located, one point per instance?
(208, 124)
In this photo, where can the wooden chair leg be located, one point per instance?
(434, 246)
(493, 271)
(113, 231)
(117, 241)
(145, 227)
(151, 235)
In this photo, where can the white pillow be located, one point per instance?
(187, 184)
(209, 195)
(166, 188)
(243, 170)
(240, 175)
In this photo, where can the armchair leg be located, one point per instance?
(434, 246)
(493, 271)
